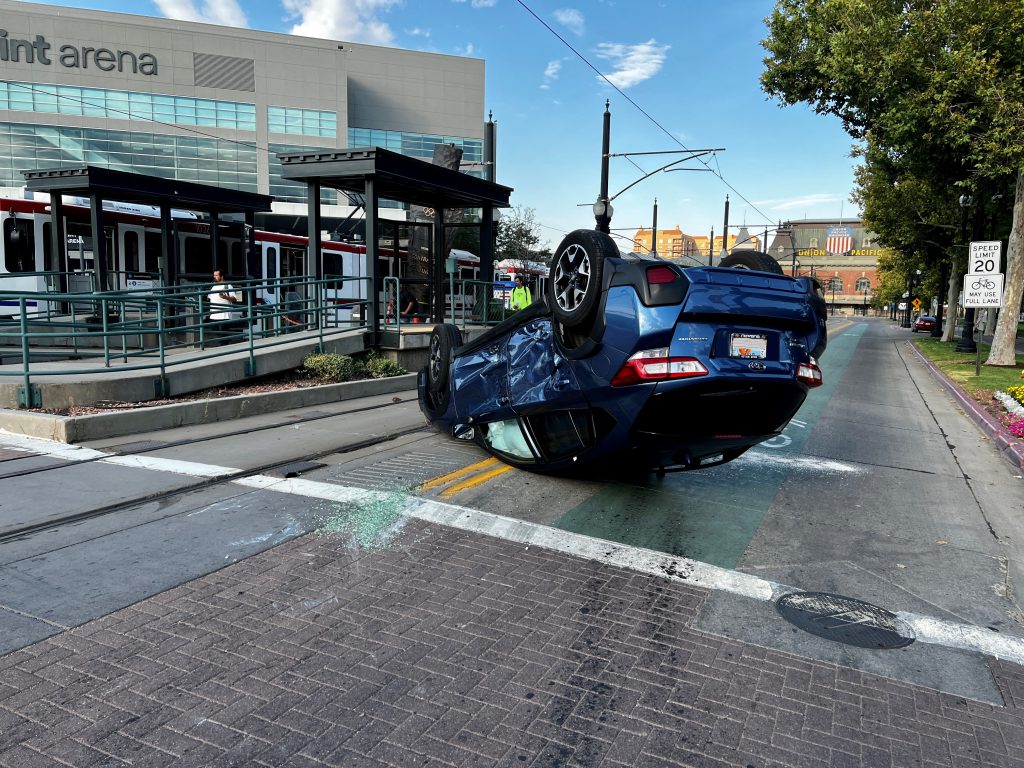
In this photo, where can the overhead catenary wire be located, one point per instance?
(639, 108)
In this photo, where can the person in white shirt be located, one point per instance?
(222, 296)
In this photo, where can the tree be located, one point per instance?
(916, 218)
(935, 85)
(518, 235)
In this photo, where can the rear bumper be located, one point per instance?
(682, 425)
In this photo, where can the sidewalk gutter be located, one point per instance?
(1008, 445)
(76, 429)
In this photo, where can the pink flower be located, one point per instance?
(1016, 425)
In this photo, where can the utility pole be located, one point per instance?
(654, 230)
(490, 147)
(603, 207)
(711, 248)
(725, 230)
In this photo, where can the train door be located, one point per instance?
(134, 266)
(44, 260)
(270, 261)
(20, 261)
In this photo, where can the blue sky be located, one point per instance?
(692, 65)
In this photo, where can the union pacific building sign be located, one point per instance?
(41, 51)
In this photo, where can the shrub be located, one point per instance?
(380, 367)
(329, 367)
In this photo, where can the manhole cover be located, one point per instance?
(844, 620)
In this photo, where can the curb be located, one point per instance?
(1011, 448)
(75, 429)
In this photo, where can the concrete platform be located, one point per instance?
(85, 382)
(121, 383)
(78, 429)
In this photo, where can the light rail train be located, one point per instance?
(132, 239)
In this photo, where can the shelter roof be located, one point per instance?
(396, 177)
(126, 187)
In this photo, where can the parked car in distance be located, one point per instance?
(632, 362)
(924, 323)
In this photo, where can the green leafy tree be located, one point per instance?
(937, 85)
(518, 235)
(915, 218)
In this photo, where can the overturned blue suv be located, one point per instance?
(630, 362)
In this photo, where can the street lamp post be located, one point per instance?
(966, 342)
(865, 310)
(832, 285)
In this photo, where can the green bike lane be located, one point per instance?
(712, 515)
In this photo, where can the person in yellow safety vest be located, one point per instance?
(521, 297)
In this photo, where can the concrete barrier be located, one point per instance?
(76, 429)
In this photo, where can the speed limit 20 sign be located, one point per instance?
(985, 257)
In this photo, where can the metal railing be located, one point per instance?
(156, 328)
(160, 327)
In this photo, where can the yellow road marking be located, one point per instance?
(474, 481)
(458, 474)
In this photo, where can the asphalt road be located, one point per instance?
(880, 490)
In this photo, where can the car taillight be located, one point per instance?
(660, 275)
(809, 374)
(656, 365)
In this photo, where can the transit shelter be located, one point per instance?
(373, 174)
(98, 184)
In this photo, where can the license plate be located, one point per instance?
(749, 346)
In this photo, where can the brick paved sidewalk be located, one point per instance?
(450, 648)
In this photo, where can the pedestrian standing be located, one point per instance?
(521, 297)
(222, 297)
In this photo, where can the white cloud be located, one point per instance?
(571, 19)
(226, 12)
(633, 64)
(467, 50)
(802, 201)
(355, 20)
(479, 3)
(551, 72)
(418, 32)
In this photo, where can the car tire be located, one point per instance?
(574, 279)
(444, 339)
(755, 260)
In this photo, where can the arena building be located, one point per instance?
(216, 105)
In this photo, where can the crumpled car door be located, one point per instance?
(481, 383)
(538, 376)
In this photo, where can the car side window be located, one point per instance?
(560, 434)
(508, 437)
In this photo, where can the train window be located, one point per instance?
(271, 263)
(19, 246)
(293, 262)
(131, 251)
(197, 255)
(48, 249)
(236, 265)
(154, 250)
(334, 264)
